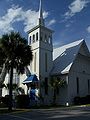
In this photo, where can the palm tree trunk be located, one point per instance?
(10, 87)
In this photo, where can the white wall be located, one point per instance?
(35, 49)
(80, 69)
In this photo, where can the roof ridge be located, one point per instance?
(65, 47)
(71, 44)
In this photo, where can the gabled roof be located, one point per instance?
(64, 56)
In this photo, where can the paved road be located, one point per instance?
(77, 113)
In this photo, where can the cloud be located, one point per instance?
(67, 25)
(75, 7)
(45, 14)
(88, 29)
(7, 20)
(16, 14)
(51, 22)
(30, 19)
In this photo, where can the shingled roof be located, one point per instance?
(64, 56)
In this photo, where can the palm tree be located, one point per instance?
(56, 83)
(18, 54)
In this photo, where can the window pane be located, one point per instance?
(46, 86)
(30, 40)
(33, 38)
(37, 36)
(77, 80)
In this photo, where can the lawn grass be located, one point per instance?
(3, 110)
(6, 111)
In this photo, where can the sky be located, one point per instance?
(70, 19)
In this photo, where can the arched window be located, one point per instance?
(50, 39)
(45, 38)
(46, 86)
(77, 82)
(33, 38)
(37, 36)
(30, 40)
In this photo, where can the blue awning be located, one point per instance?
(31, 78)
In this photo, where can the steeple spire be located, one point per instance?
(40, 17)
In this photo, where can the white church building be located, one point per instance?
(70, 63)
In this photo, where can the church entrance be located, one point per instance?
(32, 89)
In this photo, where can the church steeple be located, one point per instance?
(40, 17)
(40, 40)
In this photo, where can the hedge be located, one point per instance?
(82, 100)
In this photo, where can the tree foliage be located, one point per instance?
(15, 54)
(14, 47)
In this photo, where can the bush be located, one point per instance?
(5, 100)
(88, 99)
(82, 100)
(1, 102)
(1, 99)
(22, 101)
(77, 100)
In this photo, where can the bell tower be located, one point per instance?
(40, 40)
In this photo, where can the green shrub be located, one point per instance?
(77, 100)
(5, 100)
(82, 100)
(88, 99)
